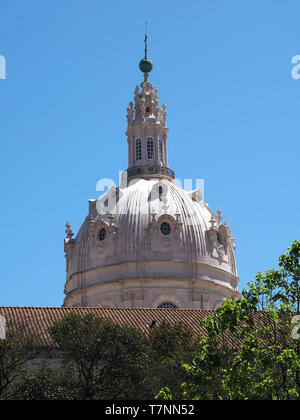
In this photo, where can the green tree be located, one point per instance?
(104, 360)
(248, 351)
(16, 351)
(172, 345)
(44, 383)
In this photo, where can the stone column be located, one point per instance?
(165, 151)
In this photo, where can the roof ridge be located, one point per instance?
(99, 308)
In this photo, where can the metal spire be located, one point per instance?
(145, 64)
(146, 39)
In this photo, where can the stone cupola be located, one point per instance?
(147, 131)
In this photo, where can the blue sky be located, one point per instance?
(223, 67)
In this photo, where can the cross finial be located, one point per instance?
(146, 39)
(146, 64)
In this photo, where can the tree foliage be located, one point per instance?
(104, 360)
(249, 351)
(172, 345)
(16, 351)
(93, 359)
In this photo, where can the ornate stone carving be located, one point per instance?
(155, 104)
(178, 225)
(165, 241)
(109, 202)
(196, 195)
(163, 114)
(146, 107)
(219, 218)
(153, 228)
(219, 236)
(69, 231)
(130, 112)
(214, 243)
(109, 224)
(69, 244)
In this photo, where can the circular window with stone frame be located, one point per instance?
(165, 228)
(102, 234)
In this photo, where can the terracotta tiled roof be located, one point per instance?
(38, 320)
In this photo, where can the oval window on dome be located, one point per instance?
(102, 234)
(165, 228)
(167, 305)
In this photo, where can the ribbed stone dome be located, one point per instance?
(155, 244)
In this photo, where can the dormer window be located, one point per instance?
(150, 149)
(160, 192)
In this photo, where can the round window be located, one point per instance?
(102, 234)
(165, 228)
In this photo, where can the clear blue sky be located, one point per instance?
(223, 67)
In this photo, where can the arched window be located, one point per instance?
(138, 149)
(161, 153)
(167, 305)
(150, 148)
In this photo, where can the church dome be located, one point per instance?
(158, 243)
(150, 243)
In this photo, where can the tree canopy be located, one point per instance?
(251, 350)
